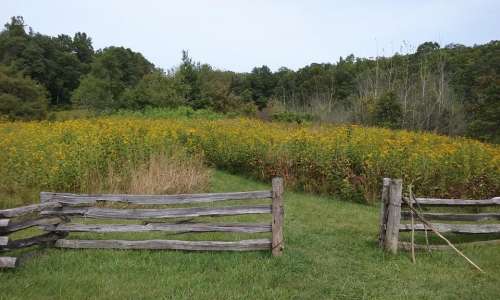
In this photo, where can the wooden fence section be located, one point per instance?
(391, 215)
(20, 218)
(74, 205)
(55, 211)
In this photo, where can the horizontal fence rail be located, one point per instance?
(75, 199)
(179, 228)
(243, 245)
(20, 225)
(406, 215)
(407, 245)
(42, 239)
(24, 210)
(455, 202)
(116, 213)
(455, 228)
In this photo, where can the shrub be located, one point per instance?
(387, 111)
(21, 98)
(181, 112)
(292, 117)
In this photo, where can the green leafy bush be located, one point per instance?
(21, 98)
(292, 117)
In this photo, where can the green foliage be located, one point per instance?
(189, 73)
(82, 45)
(291, 117)
(485, 123)
(262, 83)
(69, 114)
(482, 88)
(121, 66)
(156, 89)
(427, 47)
(181, 112)
(55, 62)
(216, 90)
(21, 98)
(95, 93)
(206, 87)
(387, 112)
(113, 71)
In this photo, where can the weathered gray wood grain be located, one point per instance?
(4, 222)
(243, 245)
(278, 217)
(113, 213)
(393, 216)
(182, 227)
(456, 228)
(456, 202)
(76, 199)
(23, 210)
(407, 246)
(20, 225)
(8, 262)
(384, 204)
(42, 239)
(405, 215)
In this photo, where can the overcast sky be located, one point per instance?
(238, 35)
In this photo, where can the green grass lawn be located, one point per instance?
(330, 253)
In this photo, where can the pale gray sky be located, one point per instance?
(238, 35)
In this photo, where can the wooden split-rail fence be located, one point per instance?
(20, 218)
(392, 215)
(55, 211)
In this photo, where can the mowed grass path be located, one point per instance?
(330, 253)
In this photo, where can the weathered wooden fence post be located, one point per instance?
(393, 215)
(278, 214)
(384, 204)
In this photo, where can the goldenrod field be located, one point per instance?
(349, 161)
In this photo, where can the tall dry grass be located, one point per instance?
(163, 173)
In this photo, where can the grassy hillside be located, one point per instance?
(330, 253)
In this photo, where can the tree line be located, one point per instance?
(450, 90)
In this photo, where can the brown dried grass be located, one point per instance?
(174, 173)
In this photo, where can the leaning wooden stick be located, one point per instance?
(412, 229)
(425, 228)
(441, 236)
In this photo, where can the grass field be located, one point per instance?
(330, 253)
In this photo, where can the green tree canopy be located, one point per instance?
(113, 70)
(156, 89)
(189, 74)
(21, 98)
(387, 111)
(55, 62)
